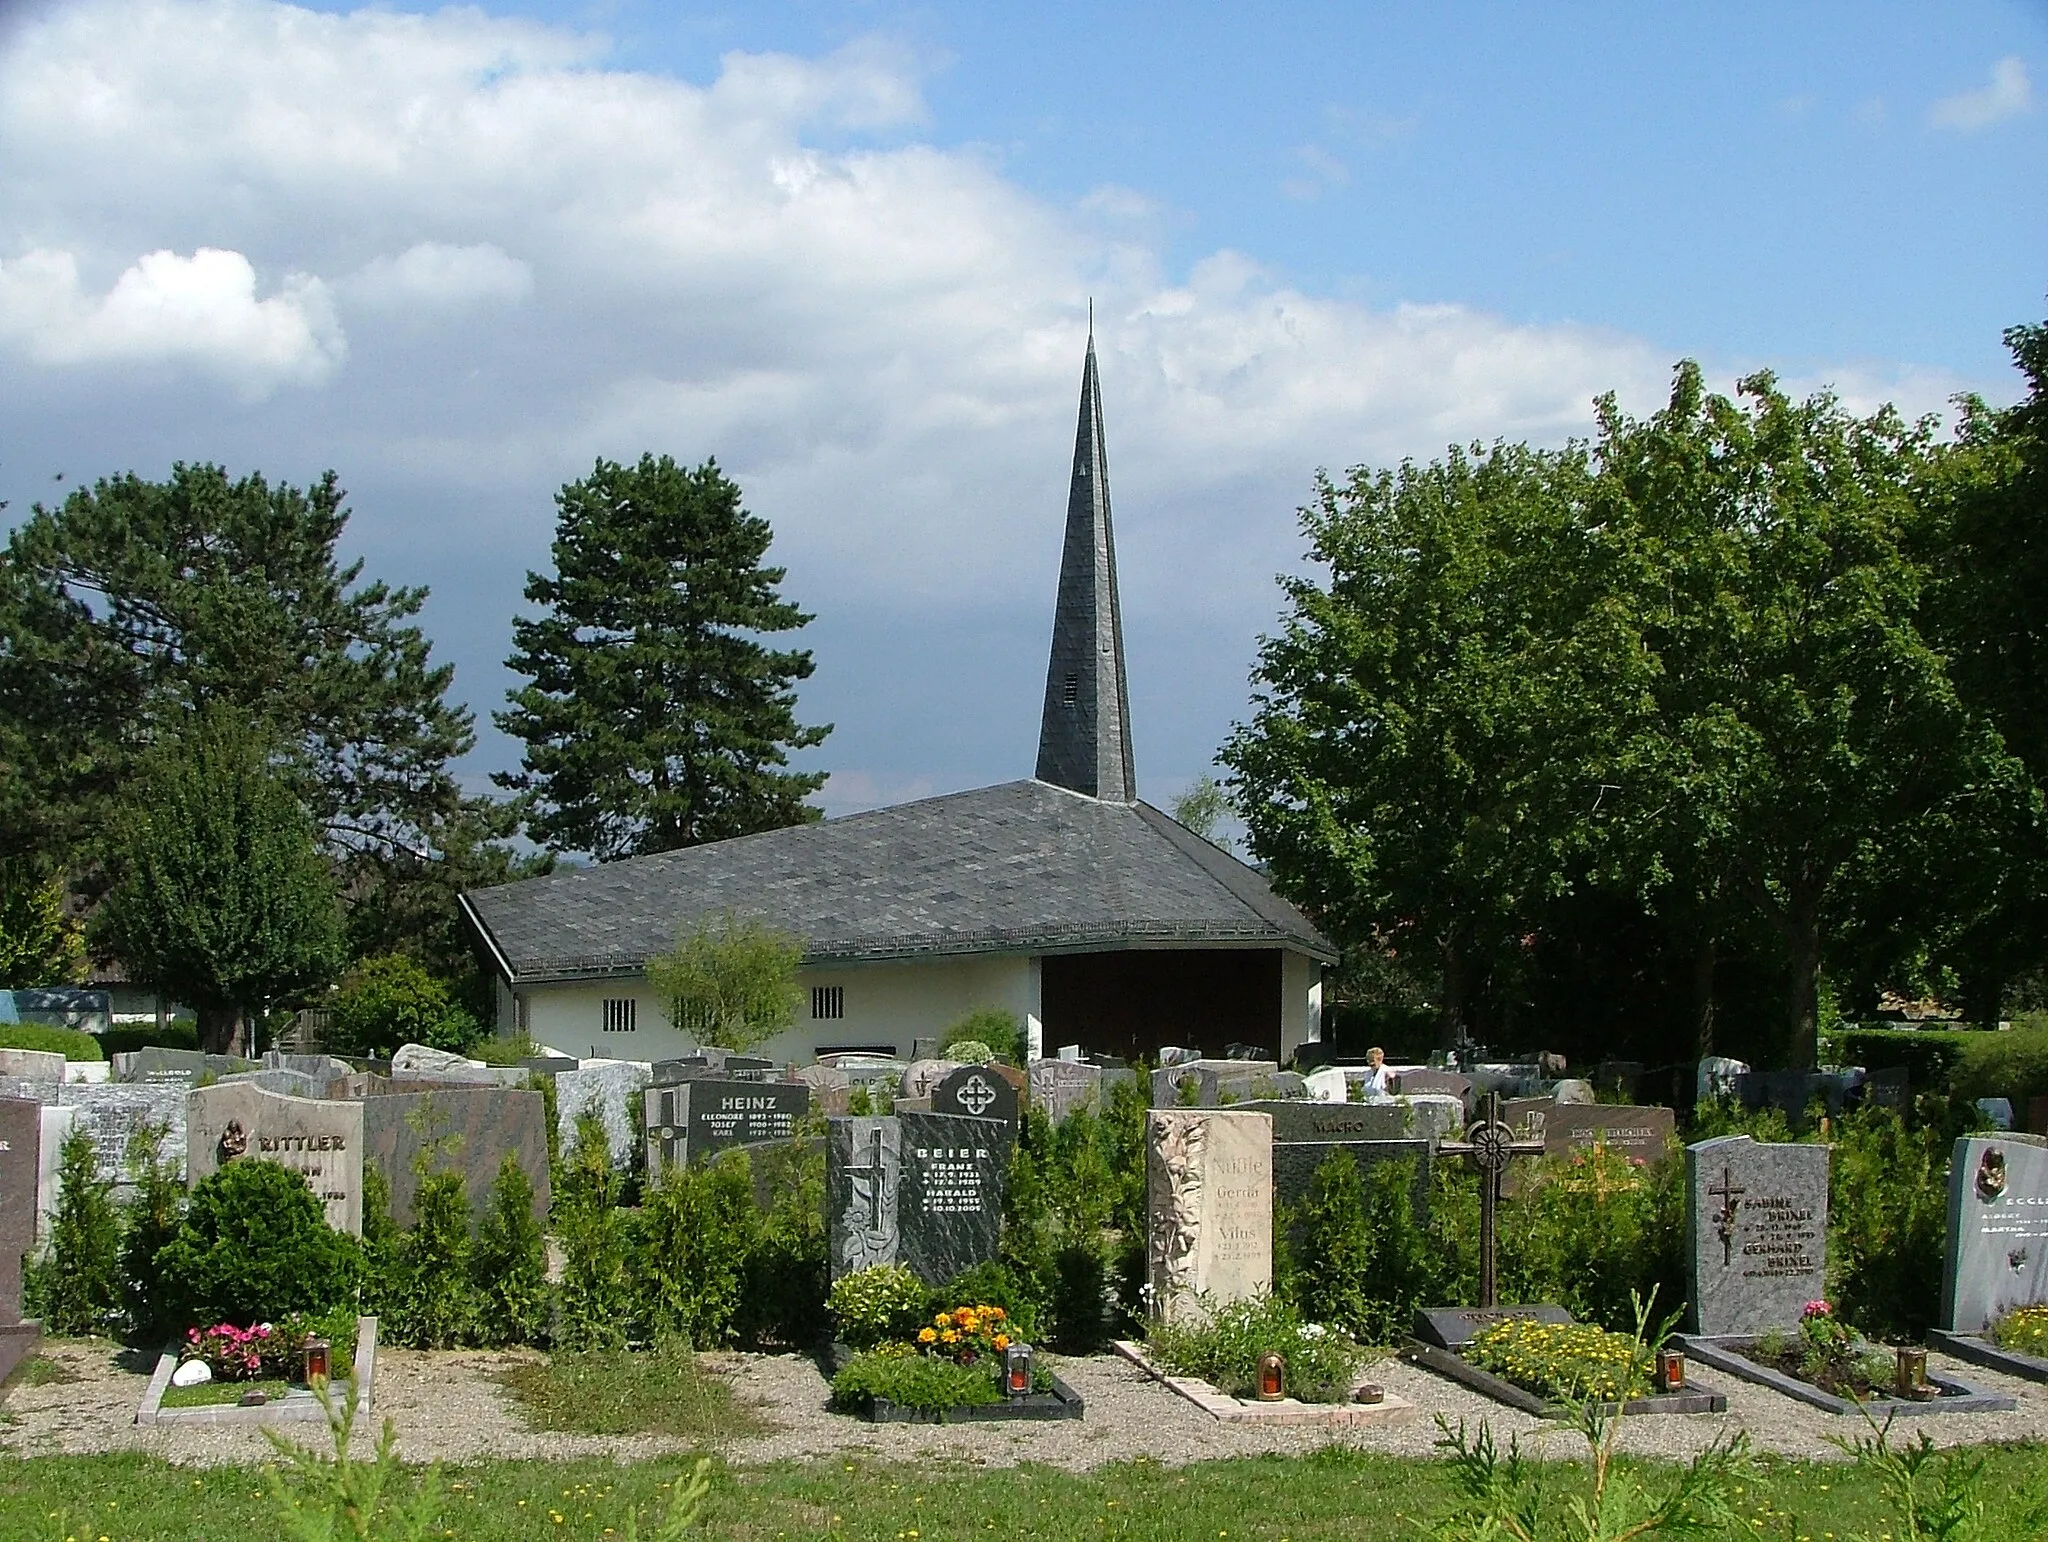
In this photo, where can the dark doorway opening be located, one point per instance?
(1129, 1003)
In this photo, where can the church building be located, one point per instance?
(1092, 916)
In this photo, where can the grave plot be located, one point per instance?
(1538, 1359)
(1370, 1404)
(1995, 1284)
(286, 1397)
(1757, 1226)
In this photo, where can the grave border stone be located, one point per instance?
(1954, 1396)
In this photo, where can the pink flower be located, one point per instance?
(1816, 1309)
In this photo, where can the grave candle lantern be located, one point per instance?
(316, 1362)
(1017, 1371)
(1272, 1377)
(1912, 1372)
(1670, 1370)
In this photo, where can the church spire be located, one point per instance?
(1084, 740)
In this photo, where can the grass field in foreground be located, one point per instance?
(1335, 1496)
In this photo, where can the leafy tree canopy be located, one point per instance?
(730, 983)
(655, 718)
(39, 943)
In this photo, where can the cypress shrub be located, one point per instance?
(152, 1220)
(594, 1304)
(379, 1248)
(76, 1287)
(508, 1264)
(787, 1271)
(697, 1229)
(433, 1306)
(1887, 1222)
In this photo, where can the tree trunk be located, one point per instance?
(1451, 1024)
(1983, 995)
(220, 1030)
(1704, 957)
(1802, 932)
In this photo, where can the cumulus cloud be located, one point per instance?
(2006, 95)
(438, 275)
(166, 308)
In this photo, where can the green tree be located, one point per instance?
(136, 602)
(153, 1214)
(39, 943)
(654, 717)
(388, 1001)
(1202, 808)
(509, 1263)
(254, 1246)
(1433, 728)
(729, 983)
(222, 898)
(75, 1288)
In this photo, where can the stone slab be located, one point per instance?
(1455, 1327)
(1209, 1206)
(57, 1124)
(473, 1130)
(32, 1065)
(1727, 1353)
(1979, 1350)
(863, 1192)
(1392, 1409)
(608, 1088)
(1447, 1362)
(1756, 1233)
(320, 1139)
(691, 1120)
(298, 1408)
(1997, 1252)
(21, 1144)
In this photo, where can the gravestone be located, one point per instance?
(1209, 1207)
(1326, 1085)
(1718, 1077)
(1174, 1054)
(1573, 1089)
(31, 1065)
(177, 1067)
(1296, 1162)
(978, 1092)
(319, 1139)
(1427, 1079)
(1168, 1080)
(831, 1091)
(291, 1084)
(57, 1124)
(20, 1164)
(1637, 1132)
(688, 1121)
(1756, 1233)
(113, 1112)
(1063, 1087)
(921, 1076)
(1997, 1112)
(607, 1088)
(923, 1190)
(424, 1057)
(1428, 1118)
(475, 1129)
(1997, 1230)
(322, 1068)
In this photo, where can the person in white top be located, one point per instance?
(1379, 1081)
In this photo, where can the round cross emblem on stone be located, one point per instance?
(976, 1095)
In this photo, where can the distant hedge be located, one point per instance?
(1971, 1064)
(134, 1036)
(71, 1043)
(1929, 1056)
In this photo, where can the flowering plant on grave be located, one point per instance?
(966, 1335)
(230, 1353)
(2025, 1330)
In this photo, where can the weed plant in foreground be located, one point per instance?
(657, 1391)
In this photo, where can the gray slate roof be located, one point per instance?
(1020, 868)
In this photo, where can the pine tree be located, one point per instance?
(437, 1309)
(151, 1221)
(76, 1287)
(654, 718)
(509, 1263)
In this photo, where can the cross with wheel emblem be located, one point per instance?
(1489, 1146)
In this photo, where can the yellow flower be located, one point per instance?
(942, 1319)
(1002, 1341)
(949, 1336)
(926, 1335)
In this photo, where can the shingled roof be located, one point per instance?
(1024, 867)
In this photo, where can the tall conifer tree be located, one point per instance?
(654, 717)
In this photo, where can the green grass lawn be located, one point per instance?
(209, 1393)
(658, 1391)
(1335, 1496)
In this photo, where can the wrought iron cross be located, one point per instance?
(1724, 1223)
(1489, 1145)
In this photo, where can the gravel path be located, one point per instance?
(448, 1408)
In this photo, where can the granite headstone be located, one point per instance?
(1063, 1087)
(1633, 1131)
(978, 1092)
(320, 1139)
(20, 1164)
(57, 1125)
(114, 1112)
(609, 1089)
(688, 1121)
(1997, 1230)
(1209, 1207)
(954, 1170)
(177, 1067)
(471, 1129)
(1756, 1233)
(831, 1091)
(863, 1192)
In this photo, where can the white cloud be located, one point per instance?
(1323, 170)
(436, 274)
(166, 308)
(2008, 94)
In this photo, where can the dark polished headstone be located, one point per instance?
(689, 1120)
(1997, 1229)
(1455, 1327)
(185, 1067)
(954, 1168)
(474, 1130)
(1307, 1121)
(1429, 1079)
(1296, 1163)
(863, 1192)
(1637, 1132)
(978, 1092)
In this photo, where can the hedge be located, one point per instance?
(71, 1043)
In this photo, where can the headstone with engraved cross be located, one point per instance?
(863, 1171)
(979, 1092)
(1490, 1146)
(1757, 1229)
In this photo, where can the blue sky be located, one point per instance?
(847, 248)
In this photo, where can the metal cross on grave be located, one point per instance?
(1724, 1222)
(1489, 1145)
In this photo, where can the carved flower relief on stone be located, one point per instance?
(1177, 1207)
(234, 1141)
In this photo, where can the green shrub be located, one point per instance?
(2011, 1065)
(151, 1221)
(697, 1228)
(75, 1288)
(431, 1304)
(1224, 1349)
(1564, 1360)
(126, 1038)
(884, 1304)
(594, 1302)
(970, 1052)
(1362, 1260)
(784, 1301)
(1591, 1230)
(390, 1000)
(2024, 1331)
(911, 1380)
(509, 1263)
(253, 1246)
(378, 1247)
(1887, 1223)
(1072, 1214)
(991, 1284)
(1000, 1029)
(512, 1051)
(71, 1043)
(1929, 1056)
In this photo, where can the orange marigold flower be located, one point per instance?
(927, 1335)
(1002, 1341)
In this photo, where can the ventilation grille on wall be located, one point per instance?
(828, 1001)
(1070, 690)
(618, 1014)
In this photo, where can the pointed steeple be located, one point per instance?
(1084, 740)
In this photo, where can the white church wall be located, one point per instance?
(892, 1004)
(1301, 1002)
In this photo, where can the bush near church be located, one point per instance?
(389, 1001)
